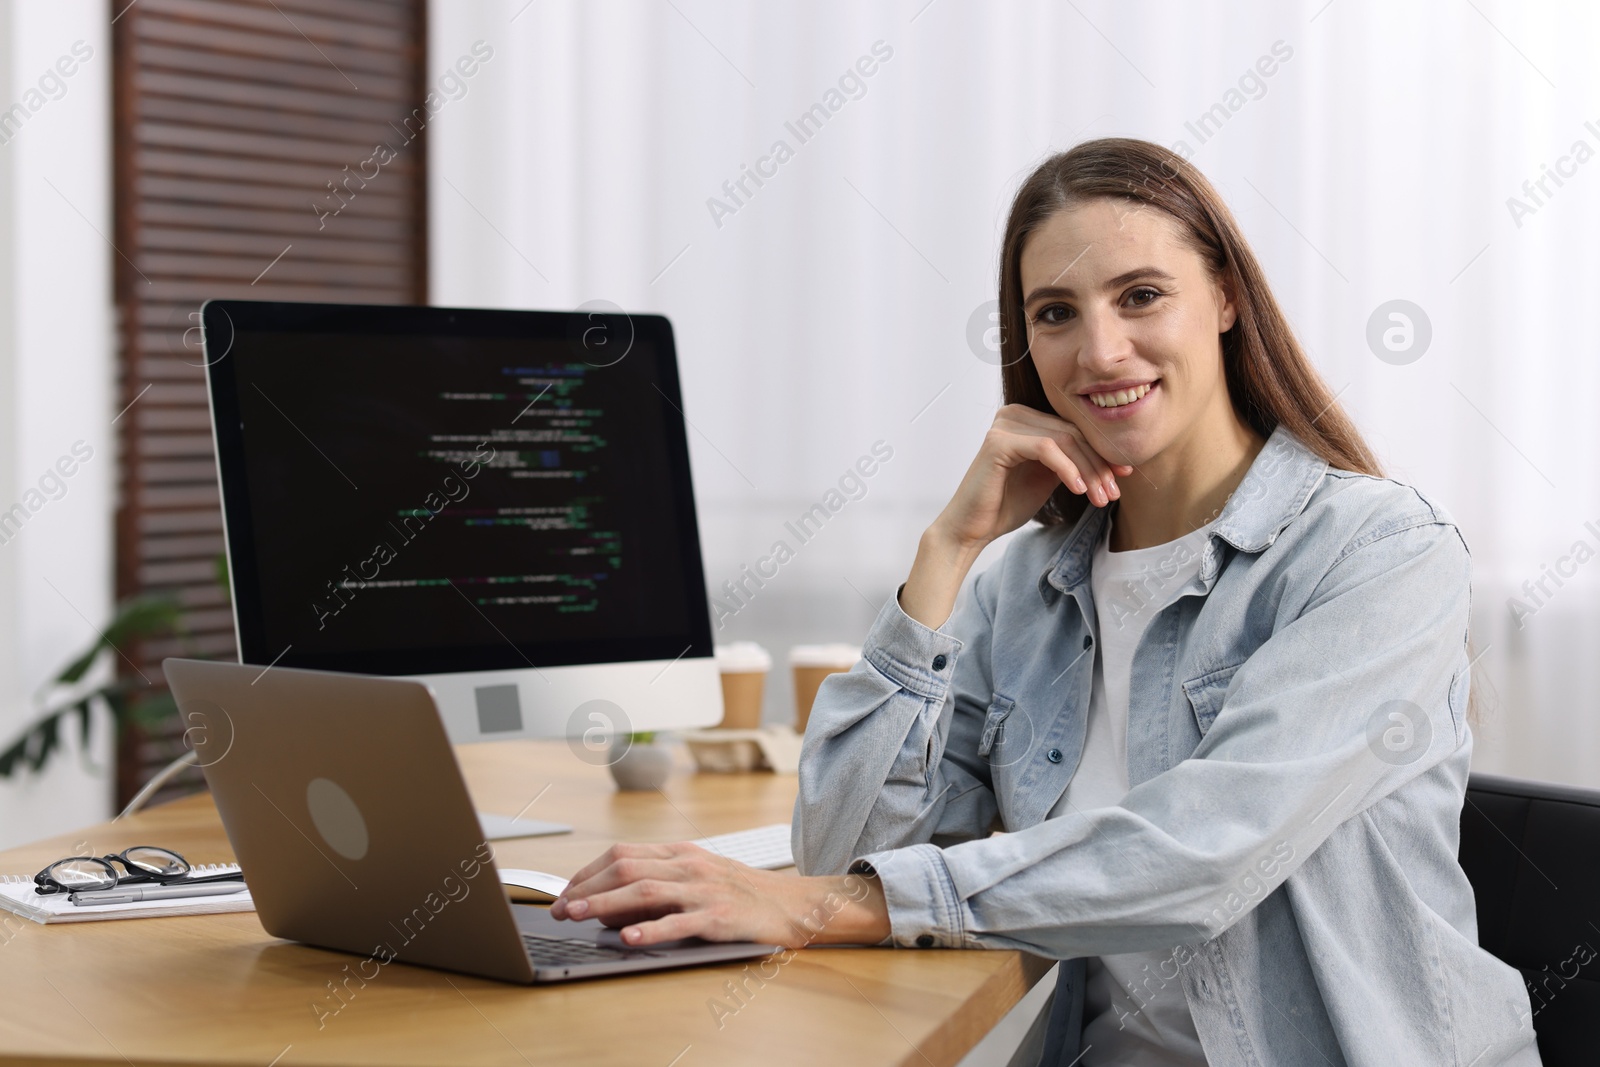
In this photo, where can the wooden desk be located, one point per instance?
(216, 989)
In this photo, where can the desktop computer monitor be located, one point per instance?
(495, 503)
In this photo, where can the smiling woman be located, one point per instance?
(1231, 796)
(1139, 196)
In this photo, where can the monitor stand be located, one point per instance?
(501, 827)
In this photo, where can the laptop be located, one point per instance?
(347, 811)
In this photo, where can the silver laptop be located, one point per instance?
(347, 811)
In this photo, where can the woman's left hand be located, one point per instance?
(656, 893)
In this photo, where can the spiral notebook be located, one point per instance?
(17, 896)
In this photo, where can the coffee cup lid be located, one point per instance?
(834, 655)
(740, 656)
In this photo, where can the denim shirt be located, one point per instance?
(1297, 751)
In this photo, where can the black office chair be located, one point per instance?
(1532, 853)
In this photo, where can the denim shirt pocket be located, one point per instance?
(1205, 694)
(994, 724)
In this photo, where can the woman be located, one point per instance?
(1215, 699)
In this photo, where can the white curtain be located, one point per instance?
(57, 390)
(1370, 150)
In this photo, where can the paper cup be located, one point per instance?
(743, 666)
(811, 664)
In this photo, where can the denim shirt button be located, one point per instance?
(939, 661)
(924, 940)
(1054, 755)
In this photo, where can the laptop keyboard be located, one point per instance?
(560, 950)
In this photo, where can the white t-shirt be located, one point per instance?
(1134, 1016)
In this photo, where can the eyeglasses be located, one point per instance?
(141, 863)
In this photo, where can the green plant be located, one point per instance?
(643, 737)
(136, 618)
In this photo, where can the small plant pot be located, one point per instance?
(642, 766)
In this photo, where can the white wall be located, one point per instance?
(56, 388)
(831, 310)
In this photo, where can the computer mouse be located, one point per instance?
(536, 886)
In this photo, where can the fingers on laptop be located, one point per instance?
(656, 893)
(616, 866)
(611, 856)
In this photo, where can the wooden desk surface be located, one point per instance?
(216, 989)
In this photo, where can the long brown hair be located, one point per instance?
(1270, 380)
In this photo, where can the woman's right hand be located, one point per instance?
(1025, 455)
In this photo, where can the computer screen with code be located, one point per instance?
(462, 491)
